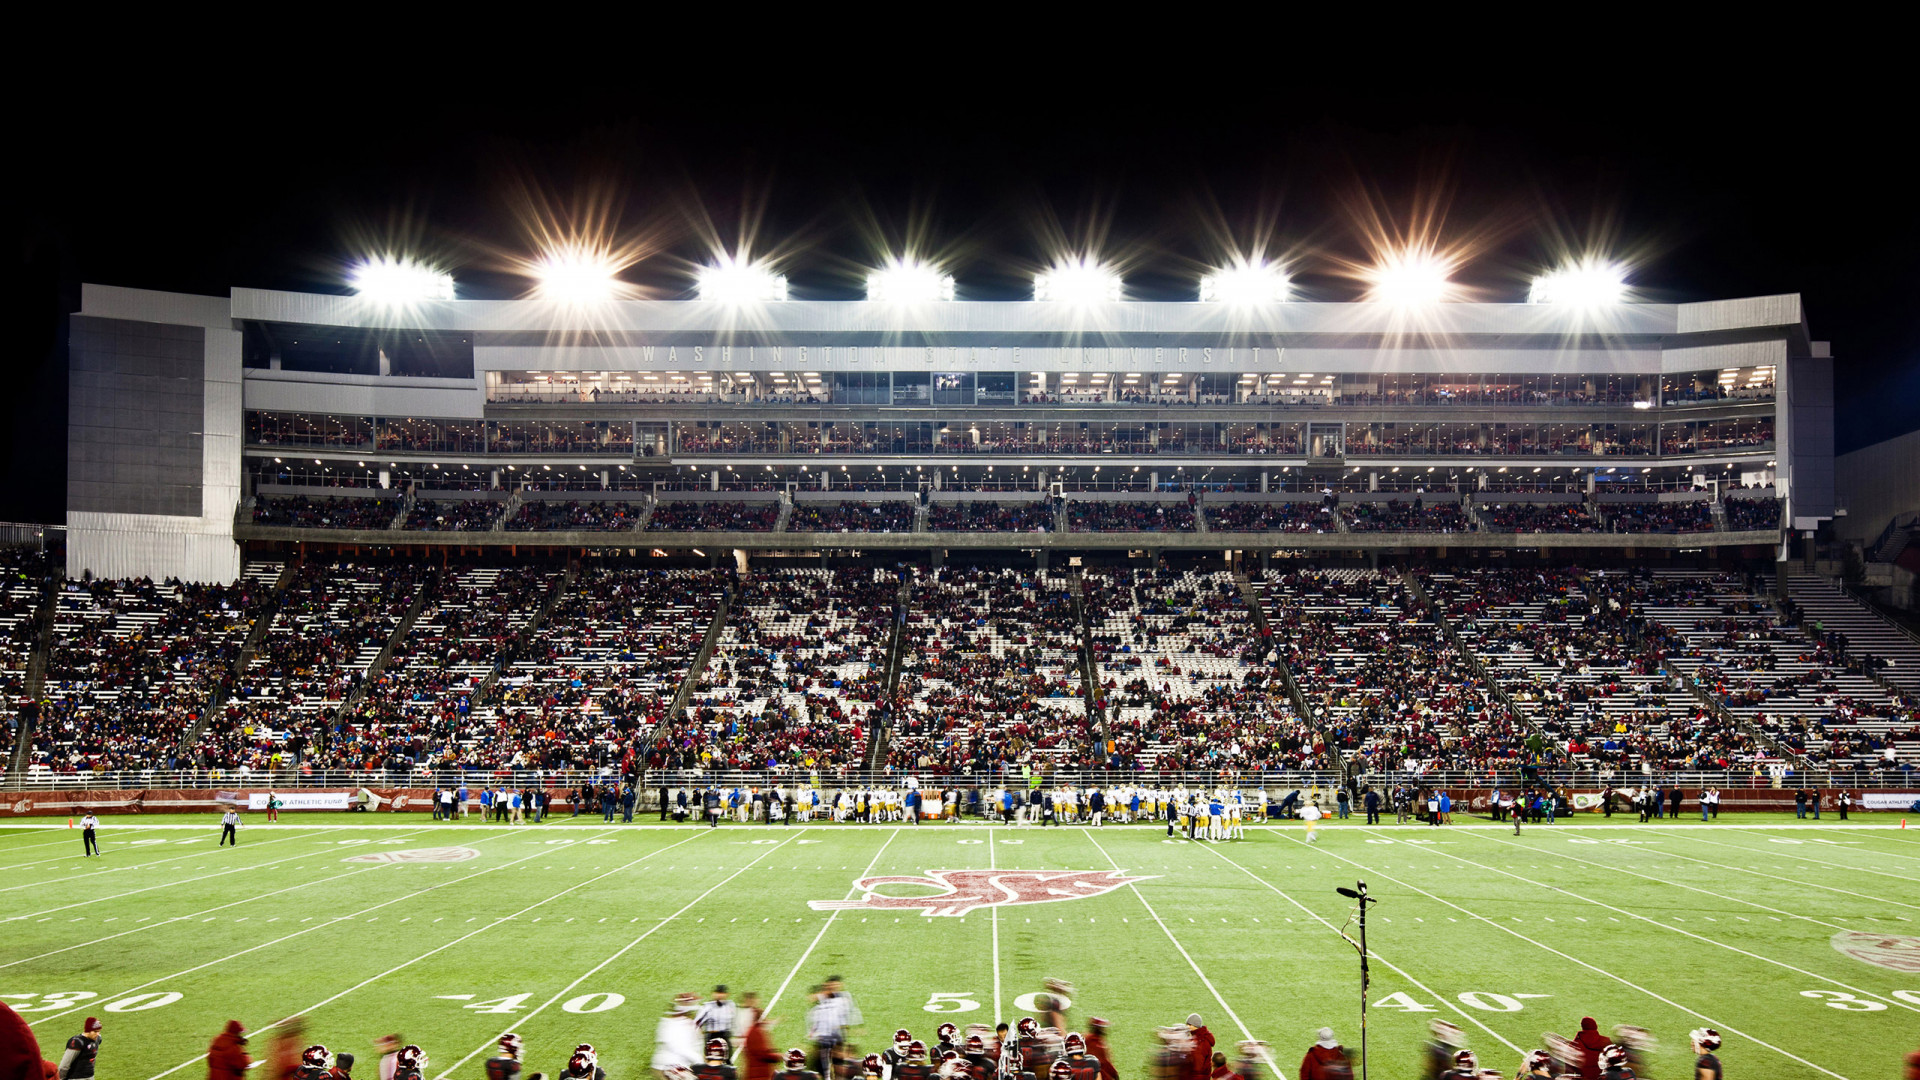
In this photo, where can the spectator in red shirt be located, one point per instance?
(1200, 1058)
(1326, 1059)
(227, 1057)
(1590, 1042)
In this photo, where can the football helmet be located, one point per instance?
(510, 1044)
(953, 1069)
(1613, 1055)
(1707, 1038)
(949, 1055)
(1075, 1043)
(1536, 1059)
(1465, 1059)
(901, 1036)
(588, 1047)
(796, 1059)
(1447, 1034)
(1028, 1027)
(976, 1045)
(314, 1057)
(411, 1057)
(947, 1032)
(1095, 1023)
(1062, 1070)
(917, 1051)
(871, 1065)
(582, 1062)
(716, 1049)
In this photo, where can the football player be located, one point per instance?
(1465, 1067)
(915, 1067)
(1640, 1046)
(796, 1067)
(585, 1065)
(1706, 1045)
(77, 1062)
(1031, 1050)
(313, 1064)
(1248, 1065)
(506, 1064)
(872, 1068)
(1060, 1071)
(715, 1067)
(1074, 1054)
(947, 1033)
(979, 1061)
(410, 1063)
(1437, 1054)
(342, 1067)
(1613, 1064)
(1537, 1063)
(896, 1055)
(1097, 1048)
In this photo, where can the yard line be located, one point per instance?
(591, 972)
(1476, 1021)
(1711, 1022)
(162, 885)
(994, 917)
(205, 911)
(56, 843)
(1234, 1016)
(430, 952)
(1688, 933)
(824, 927)
(1773, 853)
(298, 933)
(1794, 881)
(201, 853)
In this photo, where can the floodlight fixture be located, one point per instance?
(397, 281)
(731, 281)
(1585, 283)
(576, 274)
(908, 281)
(1247, 284)
(1410, 278)
(1077, 281)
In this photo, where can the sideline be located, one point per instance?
(962, 826)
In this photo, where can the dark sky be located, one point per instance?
(1720, 192)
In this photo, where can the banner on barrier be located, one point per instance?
(300, 800)
(1889, 800)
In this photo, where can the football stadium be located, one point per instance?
(1393, 686)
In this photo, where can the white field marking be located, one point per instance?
(824, 927)
(994, 911)
(974, 826)
(1688, 933)
(201, 853)
(595, 969)
(322, 923)
(1711, 1022)
(1797, 881)
(1475, 1020)
(53, 843)
(1234, 1016)
(1819, 862)
(430, 952)
(162, 885)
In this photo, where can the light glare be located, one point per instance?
(1410, 278)
(1077, 281)
(733, 282)
(908, 282)
(576, 274)
(1587, 283)
(1246, 285)
(388, 279)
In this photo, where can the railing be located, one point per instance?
(1506, 776)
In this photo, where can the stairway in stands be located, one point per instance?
(1866, 631)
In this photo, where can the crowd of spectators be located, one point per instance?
(1748, 514)
(326, 512)
(1089, 516)
(1396, 516)
(881, 517)
(1296, 517)
(1555, 517)
(1660, 517)
(989, 517)
(543, 515)
(687, 516)
(449, 515)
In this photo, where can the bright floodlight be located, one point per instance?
(577, 275)
(908, 282)
(733, 282)
(1410, 279)
(1587, 283)
(1077, 281)
(1246, 285)
(391, 280)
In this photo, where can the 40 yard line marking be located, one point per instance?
(1476, 1021)
(591, 972)
(289, 937)
(1234, 1016)
(1711, 1022)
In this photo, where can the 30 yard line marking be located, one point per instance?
(1476, 1021)
(201, 853)
(624, 949)
(824, 927)
(162, 885)
(1711, 1022)
(1235, 1017)
(1697, 937)
(289, 937)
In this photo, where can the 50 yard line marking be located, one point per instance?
(1234, 1016)
(628, 947)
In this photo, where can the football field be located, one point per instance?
(1799, 942)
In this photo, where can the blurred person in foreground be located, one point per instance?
(227, 1057)
(1326, 1059)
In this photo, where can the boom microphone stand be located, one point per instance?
(1359, 894)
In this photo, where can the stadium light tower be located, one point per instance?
(398, 281)
(1077, 281)
(1246, 284)
(908, 281)
(1587, 283)
(577, 274)
(1410, 278)
(731, 281)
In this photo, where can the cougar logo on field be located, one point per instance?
(425, 854)
(1895, 951)
(967, 890)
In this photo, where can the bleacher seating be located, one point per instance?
(546, 516)
(679, 516)
(1129, 517)
(326, 512)
(880, 517)
(449, 515)
(990, 517)
(1298, 517)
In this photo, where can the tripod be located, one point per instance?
(1359, 894)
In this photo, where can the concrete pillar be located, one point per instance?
(1780, 570)
(1590, 481)
(1265, 475)
(714, 482)
(493, 478)
(1481, 483)
(606, 480)
(1153, 480)
(1040, 560)
(937, 483)
(1373, 480)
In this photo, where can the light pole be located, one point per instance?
(1359, 894)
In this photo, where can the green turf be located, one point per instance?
(1662, 926)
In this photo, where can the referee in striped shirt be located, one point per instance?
(716, 1018)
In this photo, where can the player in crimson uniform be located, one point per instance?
(979, 1062)
(1097, 1048)
(1613, 1064)
(313, 1064)
(583, 1065)
(915, 1066)
(896, 1055)
(1707, 1065)
(1082, 1066)
(506, 1064)
(797, 1067)
(1465, 1067)
(947, 1034)
(715, 1067)
(1537, 1063)
(410, 1063)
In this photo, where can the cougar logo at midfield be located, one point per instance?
(425, 854)
(966, 890)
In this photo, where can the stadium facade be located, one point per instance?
(187, 411)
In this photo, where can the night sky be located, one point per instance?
(1784, 190)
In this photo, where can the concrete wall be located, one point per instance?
(1876, 483)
